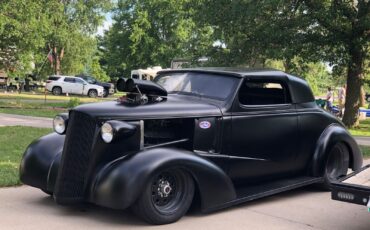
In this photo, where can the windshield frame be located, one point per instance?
(232, 93)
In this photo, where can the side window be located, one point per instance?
(263, 92)
(79, 81)
(69, 80)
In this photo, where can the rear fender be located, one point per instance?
(120, 183)
(332, 135)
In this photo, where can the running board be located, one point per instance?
(249, 193)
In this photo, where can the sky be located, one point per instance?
(106, 25)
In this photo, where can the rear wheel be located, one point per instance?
(57, 91)
(166, 198)
(92, 93)
(337, 165)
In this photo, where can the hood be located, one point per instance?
(173, 107)
(103, 84)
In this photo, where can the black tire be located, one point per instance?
(337, 165)
(106, 93)
(92, 93)
(57, 90)
(166, 198)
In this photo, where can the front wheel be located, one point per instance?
(92, 93)
(337, 165)
(166, 198)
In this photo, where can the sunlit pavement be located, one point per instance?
(307, 208)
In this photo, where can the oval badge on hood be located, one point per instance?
(205, 125)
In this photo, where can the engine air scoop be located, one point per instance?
(141, 91)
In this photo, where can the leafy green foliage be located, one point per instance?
(151, 33)
(30, 29)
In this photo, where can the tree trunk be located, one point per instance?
(57, 58)
(362, 97)
(354, 85)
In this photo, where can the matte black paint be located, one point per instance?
(120, 183)
(246, 149)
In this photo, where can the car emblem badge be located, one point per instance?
(205, 125)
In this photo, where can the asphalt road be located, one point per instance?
(26, 208)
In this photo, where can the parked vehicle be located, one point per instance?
(146, 74)
(108, 87)
(3, 82)
(354, 188)
(58, 85)
(230, 136)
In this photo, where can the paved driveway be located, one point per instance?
(29, 208)
(12, 120)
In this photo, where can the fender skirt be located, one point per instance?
(120, 183)
(38, 160)
(332, 135)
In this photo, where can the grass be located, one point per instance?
(41, 97)
(365, 151)
(36, 109)
(13, 142)
(363, 129)
(33, 112)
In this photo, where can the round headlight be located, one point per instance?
(107, 133)
(59, 124)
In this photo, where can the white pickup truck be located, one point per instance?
(58, 85)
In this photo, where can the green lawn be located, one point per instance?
(363, 129)
(365, 151)
(33, 112)
(13, 142)
(49, 97)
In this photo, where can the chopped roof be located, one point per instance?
(232, 71)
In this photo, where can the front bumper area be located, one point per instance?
(40, 161)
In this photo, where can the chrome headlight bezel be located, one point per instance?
(60, 123)
(114, 130)
(107, 132)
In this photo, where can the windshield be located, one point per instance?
(90, 80)
(202, 84)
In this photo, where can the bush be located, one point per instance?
(73, 102)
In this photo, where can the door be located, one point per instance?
(264, 131)
(78, 87)
(68, 85)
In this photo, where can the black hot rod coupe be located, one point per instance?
(225, 136)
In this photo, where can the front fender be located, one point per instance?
(38, 159)
(332, 135)
(121, 182)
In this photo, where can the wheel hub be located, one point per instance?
(164, 188)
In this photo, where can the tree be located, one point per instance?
(343, 27)
(149, 33)
(72, 24)
(21, 31)
(333, 31)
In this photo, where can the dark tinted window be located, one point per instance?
(263, 92)
(79, 81)
(53, 78)
(69, 79)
